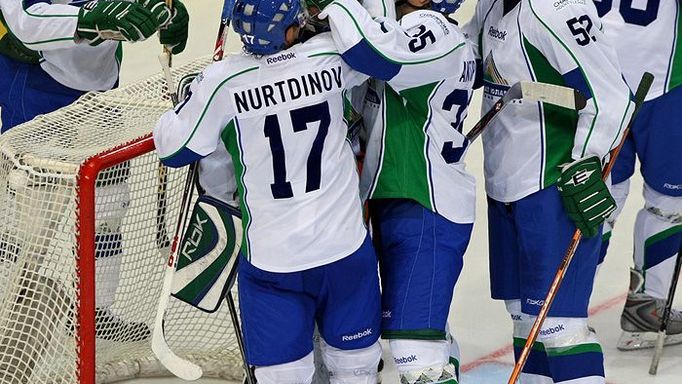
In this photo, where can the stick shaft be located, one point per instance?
(642, 90)
(660, 340)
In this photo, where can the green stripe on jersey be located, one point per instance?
(403, 172)
(559, 123)
(587, 80)
(676, 67)
(231, 142)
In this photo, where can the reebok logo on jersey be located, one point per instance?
(386, 314)
(497, 34)
(553, 330)
(672, 186)
(405, 360)
(281, 57)
(358, 335)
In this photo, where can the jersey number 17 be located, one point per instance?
(281, 188)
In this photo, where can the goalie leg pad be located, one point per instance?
(352, 366)
(296, 372)
(424, 361)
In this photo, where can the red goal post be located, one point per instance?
(86, 208)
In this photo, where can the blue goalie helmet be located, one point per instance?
(262, 24)
(446, 6)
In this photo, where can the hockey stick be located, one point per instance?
(249, 376)
(178, 366)
(658, 351)
(527, 90)
(642, 91)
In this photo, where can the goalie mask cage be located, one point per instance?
(87, 212)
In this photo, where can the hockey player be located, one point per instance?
(649, 40)
(543, 172)
(52, 52)
(276, 112)
(421, 197)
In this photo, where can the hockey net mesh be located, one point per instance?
(39, 305)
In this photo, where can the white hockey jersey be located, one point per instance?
(416, 146)
(49, 27)
(647, 38)
(280, 118)
(556, 42)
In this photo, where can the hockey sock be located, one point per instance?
(573, 351)
(356, 366)
(536, 370)
(295, 372)
(424, 361)
(658, 233)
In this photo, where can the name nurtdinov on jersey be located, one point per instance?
(282, 91)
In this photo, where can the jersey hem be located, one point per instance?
(517, 196)
(304, 267)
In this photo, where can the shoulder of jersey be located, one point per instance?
(321, 43)
(552, 9)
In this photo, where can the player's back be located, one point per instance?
(646, 39)
(296, 173)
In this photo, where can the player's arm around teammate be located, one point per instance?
(543, 171)
(51, 52)
(277, 112)
(421, 197)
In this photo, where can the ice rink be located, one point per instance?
(481, 325)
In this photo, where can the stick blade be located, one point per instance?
(658, 351)
(178, 366)
(553, 94)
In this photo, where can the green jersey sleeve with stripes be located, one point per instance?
(556, 42)
(424, 71)
(279, 120)
(647, 38)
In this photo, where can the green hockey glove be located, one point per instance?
(174, 33)
(158, 9)
(115, 20)
(586, 198)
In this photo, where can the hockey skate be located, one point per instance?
(641, 319)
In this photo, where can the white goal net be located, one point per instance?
(80, 276)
